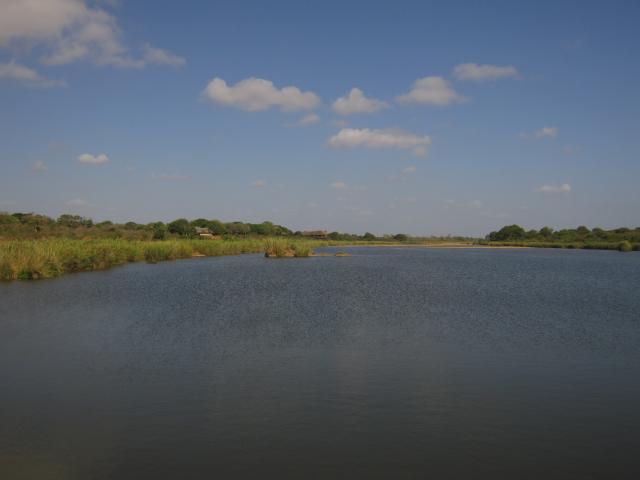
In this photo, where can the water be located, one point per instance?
(392, 363)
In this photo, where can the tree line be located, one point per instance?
(31, 225)
(581, 237)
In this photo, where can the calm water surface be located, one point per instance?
(392, 363)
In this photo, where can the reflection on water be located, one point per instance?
(400, 363)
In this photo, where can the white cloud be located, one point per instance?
(431, 91)
(309, 119)
(258, 184)
(157, 56)
(338, 185)
(480, 73)
(39, 166)
(89, 159)
(544, 132)
(256, 94)
(408, 170)
(375, 139)
(70, 30)
(551, 132)
(77, 202)
(356, 102)
(27, 76)
(564, 188)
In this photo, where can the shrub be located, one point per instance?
(625, 246)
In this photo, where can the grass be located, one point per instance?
(48, 258)
(280, 248)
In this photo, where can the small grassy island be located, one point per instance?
(35, 246)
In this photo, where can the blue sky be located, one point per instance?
(467, 115)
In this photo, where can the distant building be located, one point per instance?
(204, 232)
(320, 234)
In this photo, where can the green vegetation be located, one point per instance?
(32, 259)
(281, 248)
(622, 239)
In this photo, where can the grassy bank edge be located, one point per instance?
(50, 258)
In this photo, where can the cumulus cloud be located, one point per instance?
(71, 30)
(27, 76)
(430, 91)
(544, 132)
(39, 166)
(376, 139)
(564, 188)
(258, 184)
(481, 73)
(356, 102)
(338, 185)
(256, 94)
(89, 159)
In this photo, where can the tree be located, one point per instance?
(546, 231)
(217, 227)
(200, 222)
(238, 228)
(401, 237)
(509, 232)
(369, 236)
(181, 227)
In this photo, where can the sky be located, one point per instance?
(427, 118)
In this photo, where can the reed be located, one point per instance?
(48, 258)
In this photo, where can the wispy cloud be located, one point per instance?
(544, 132)
(356, 102)
(430, 91)
(256, 94)
(158, 56)
(563, 188)
(482, 73)
(378, 139)
(77, 202)
(258, 184)
(90, 159)
(309, 119)
(27, 76)
(38, 167)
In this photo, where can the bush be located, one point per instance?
(625, 246)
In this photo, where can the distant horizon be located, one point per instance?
(347, 117)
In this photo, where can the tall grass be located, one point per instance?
(48, 258)
(278, 247)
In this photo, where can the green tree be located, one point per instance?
(181, 227)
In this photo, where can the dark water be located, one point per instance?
(392, 363)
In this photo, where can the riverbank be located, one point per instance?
(49, 258)
(623, 246)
